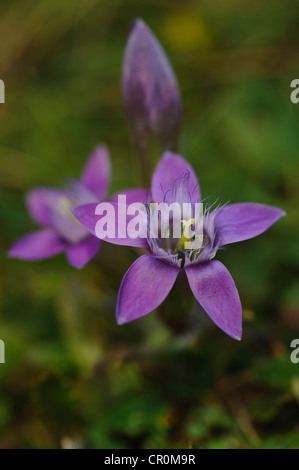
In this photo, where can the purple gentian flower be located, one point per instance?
(151, 277)
(150, 91)
(50, 208)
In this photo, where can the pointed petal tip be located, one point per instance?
(168, 154)
(282, 213)
(237, 333)
(76, 212)
(76, 265)
(73, 210)
(13, 252)
(138, 29)
(79, 255)
(77, 209)
(138, 23)
(237, 336)
(279, 213)
(100, 148)
(9, 253)
(170, 169)
(85, 214)
(121, 321)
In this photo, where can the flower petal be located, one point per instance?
(237, 222)
(169, 170)
(86, 215)
(144, 287)
(40, 202)
(78, 255)
(37, 245)
(215, 290)
(96, 174)
(133, 195)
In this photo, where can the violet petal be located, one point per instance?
(39, 203)
(96, 174)
(37, 245)
(78, 255)
(86, 215)
(237, 222)
(133, 195)
(169, 170)
(215, 290)
(144, 287)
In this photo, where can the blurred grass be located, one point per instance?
(73, 378)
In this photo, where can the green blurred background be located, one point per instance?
(72, 377)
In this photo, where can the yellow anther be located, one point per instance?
(186, 224)
(185, 238)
